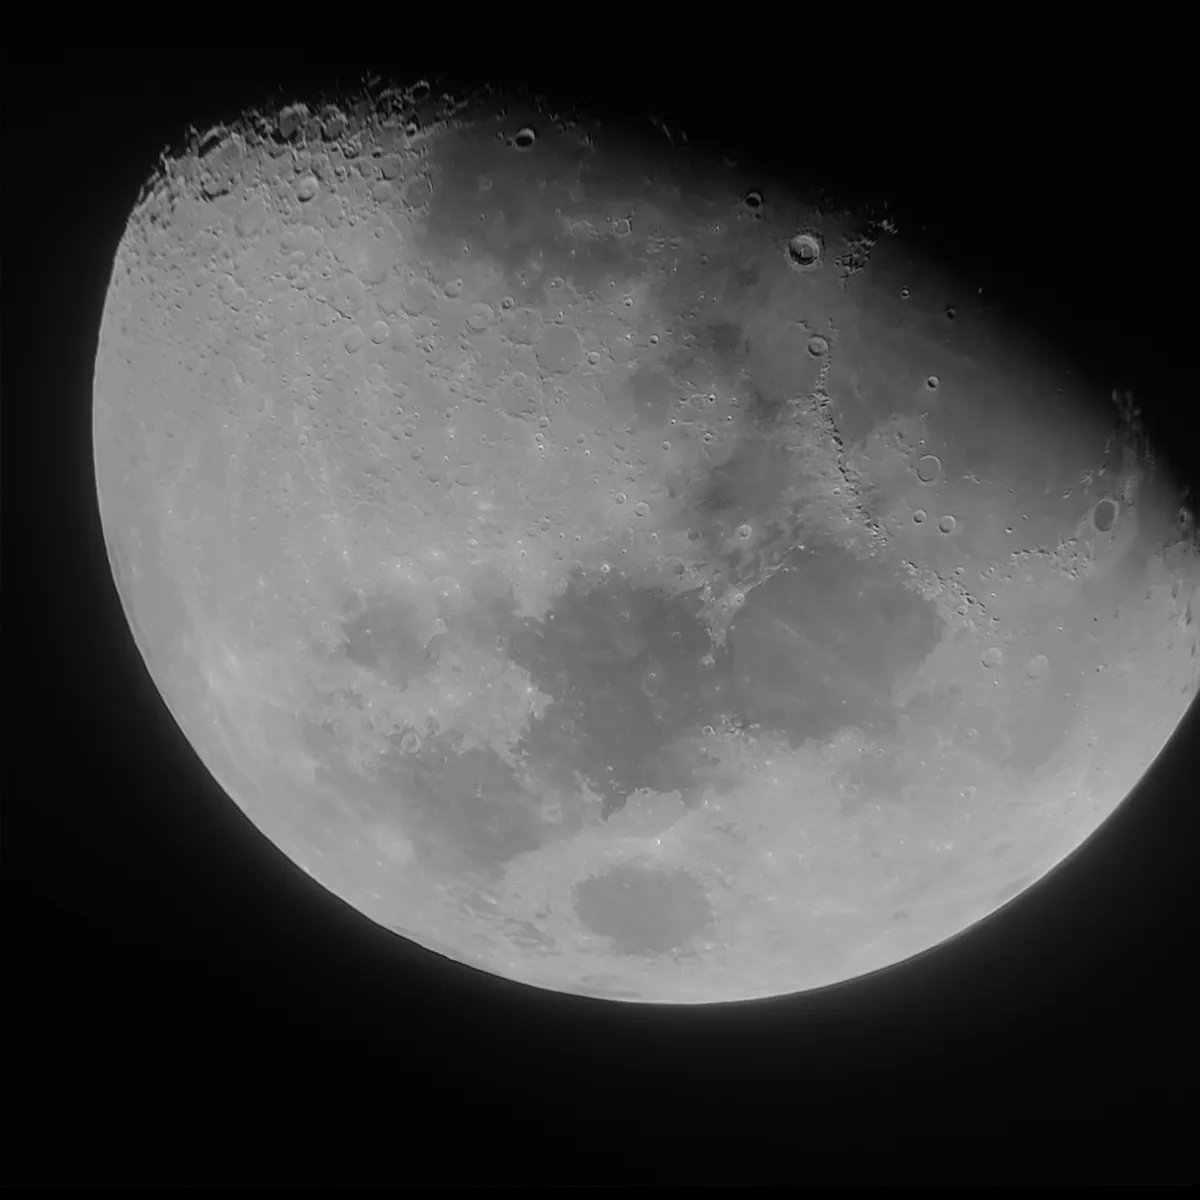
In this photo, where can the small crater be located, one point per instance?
(817, 346)
(1104, 515)
(753, 199)
(417, 192)
(947, 524)
(415, 298)
(479, 317)
(653, 679)
(804, 250)
(1037, 666)
(929, 468)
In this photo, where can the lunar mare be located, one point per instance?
(612, 572)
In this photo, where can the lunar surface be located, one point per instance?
(612, 571)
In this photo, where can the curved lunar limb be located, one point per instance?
(611, 572)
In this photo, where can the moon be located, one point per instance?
(612, 571)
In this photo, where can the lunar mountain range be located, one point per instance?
(613, 571)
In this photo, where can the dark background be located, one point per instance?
(181, 1005)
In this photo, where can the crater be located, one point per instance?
(804, 251)
(1104, 515)
(644, 911)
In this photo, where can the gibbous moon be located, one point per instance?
(614, 572)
